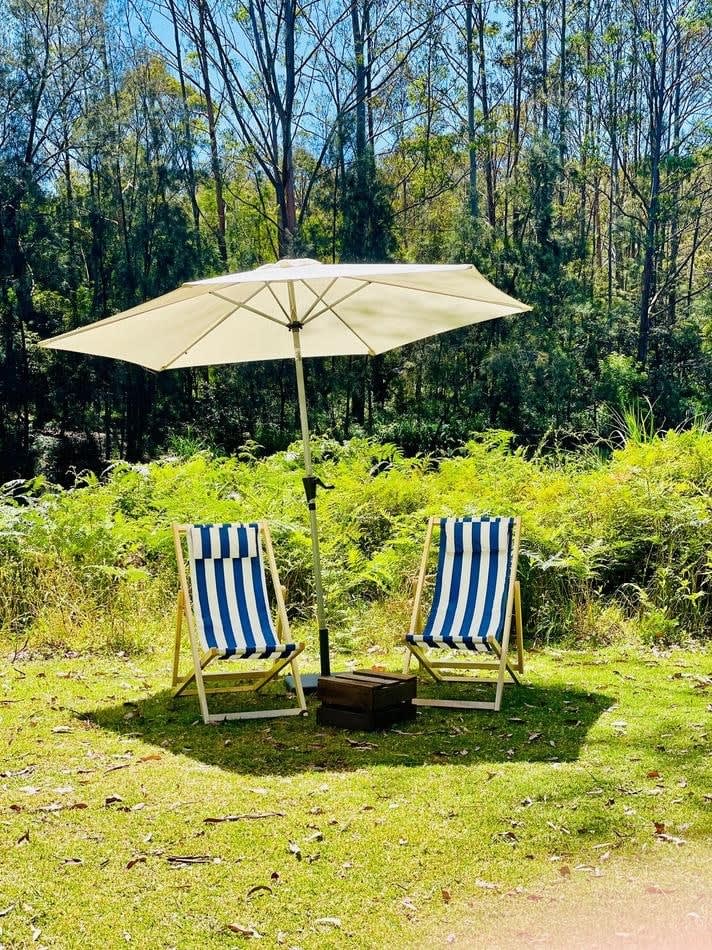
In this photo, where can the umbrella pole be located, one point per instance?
(310, 489)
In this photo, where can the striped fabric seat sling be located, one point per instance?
(472, 584)
(230, 593)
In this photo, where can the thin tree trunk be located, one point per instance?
(212, 136)
(473, 198)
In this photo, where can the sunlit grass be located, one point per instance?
(398, 839)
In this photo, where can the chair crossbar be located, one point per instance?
(214, 718)
(455, 704)
(462, 665)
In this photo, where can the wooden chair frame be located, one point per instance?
(234, 681)
(433, 667)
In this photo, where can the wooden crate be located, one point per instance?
(365, 699)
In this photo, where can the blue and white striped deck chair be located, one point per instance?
(476, 593)
(223, 599)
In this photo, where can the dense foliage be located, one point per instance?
(563, 148)
(615, 545)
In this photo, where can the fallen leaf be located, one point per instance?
(671, 839)
(653, 773)
(656, 889)
(179, 859)
(257, 888)
(4, 911)
(294, 849)
(328, 921)
(61, 729)
(446, 895)
(139, 859)
(152, 757)
(248, 932)
(659, 828)
(60, 806)
(24, 838)
(250, 816)
(16, 773)
(564, 870)
(112, 800)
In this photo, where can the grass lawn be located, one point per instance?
(590, 792)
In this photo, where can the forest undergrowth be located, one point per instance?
(615, 540)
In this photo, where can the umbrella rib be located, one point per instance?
(213, 326)
(319, 297)
(278, 302)
(371, 351)
(259, 313)
(444, 293)
(330, 307)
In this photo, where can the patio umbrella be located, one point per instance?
(294, 309)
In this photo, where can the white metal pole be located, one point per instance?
(310, 488)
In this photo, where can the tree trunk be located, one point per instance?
(212, 135)
(657, 74)
(471, 139)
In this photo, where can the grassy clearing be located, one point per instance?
(409, 838)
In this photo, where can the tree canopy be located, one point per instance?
(562, 147)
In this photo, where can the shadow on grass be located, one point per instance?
(537, 724)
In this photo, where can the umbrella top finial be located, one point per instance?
(290, 262)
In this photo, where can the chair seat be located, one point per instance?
(278, 651)
(473, 644)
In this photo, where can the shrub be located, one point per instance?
(610, 545)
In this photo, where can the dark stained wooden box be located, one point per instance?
(365, 700)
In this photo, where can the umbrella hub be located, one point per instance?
(290, 262)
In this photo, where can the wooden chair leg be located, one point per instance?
(424, 663)
(179, 630)
(202, 698)
(500, 681)
(298, 688)
(518, 626)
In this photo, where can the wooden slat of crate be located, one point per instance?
(365, 690)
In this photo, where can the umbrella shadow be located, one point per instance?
(537, 724)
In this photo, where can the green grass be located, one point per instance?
(407, 837)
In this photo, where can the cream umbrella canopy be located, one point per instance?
(294, 309)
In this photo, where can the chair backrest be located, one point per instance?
(473, 579)
(229, 590)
